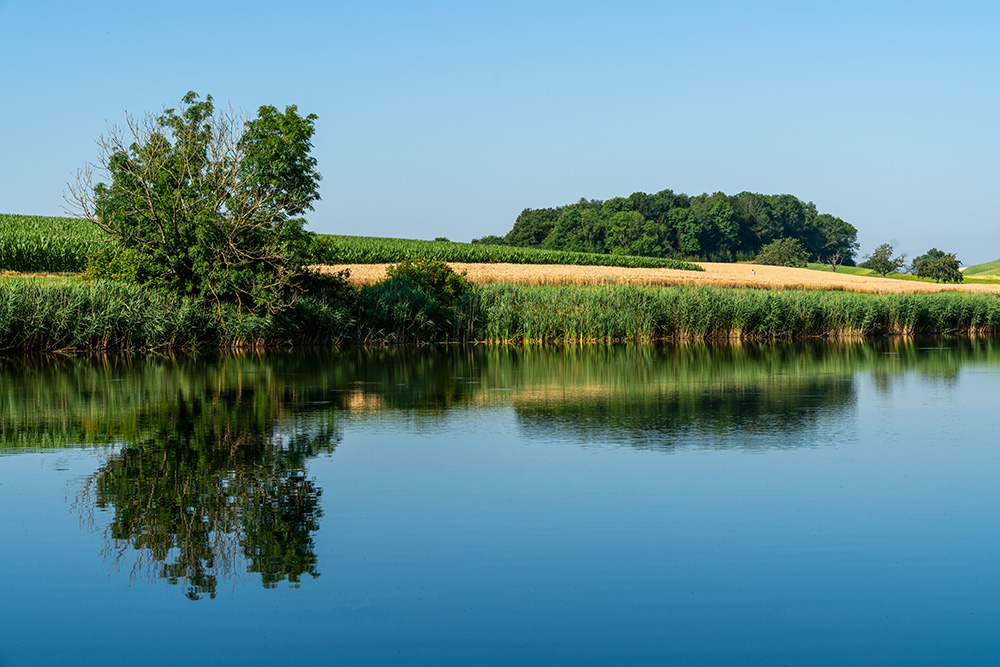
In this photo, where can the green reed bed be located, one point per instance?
(109, 315)
(40, 315)
(516, 313)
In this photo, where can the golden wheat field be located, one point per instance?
(715, 274)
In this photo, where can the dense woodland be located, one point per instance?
(715, 227)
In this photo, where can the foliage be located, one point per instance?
(415, 303)
(783, 252)
(933, 253)
(397, 311)
(39, 244)
(330, 249)
(210, 200)
(882, 262)
(942, 269)
(667, 224)
(434, 276)
(108, 260)
(491, 239)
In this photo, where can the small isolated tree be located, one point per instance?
(209, 202)
(944, 268)
(835, 259)
(882, 262)
(783, 252)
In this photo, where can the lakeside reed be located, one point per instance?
(517, 313)
(90, 315)
(110, 315)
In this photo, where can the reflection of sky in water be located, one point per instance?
(707, 508)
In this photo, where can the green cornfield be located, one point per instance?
(38, 244)
(329, 249)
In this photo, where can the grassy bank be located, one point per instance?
(66, 315)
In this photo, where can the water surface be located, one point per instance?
(756, 504)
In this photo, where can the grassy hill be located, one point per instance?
(987, 270)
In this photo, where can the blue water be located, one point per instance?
(814, 505)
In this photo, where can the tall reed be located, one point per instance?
(72, 314)
(111, 315)
(516, 313)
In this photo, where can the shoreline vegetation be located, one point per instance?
(73, 315)
(520, 298)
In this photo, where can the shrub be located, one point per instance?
(783, 252)
(434, 276)
(397, 311)
(111, 261)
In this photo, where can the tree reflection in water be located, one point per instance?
(197, 502)
(215, 486)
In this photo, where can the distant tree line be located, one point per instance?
(716, 227)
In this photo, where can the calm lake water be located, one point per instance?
(688, 504)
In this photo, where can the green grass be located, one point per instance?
(987, 278)
(38, 244)
(847, 270)
(330, 249)
(988, 269)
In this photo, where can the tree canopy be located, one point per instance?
(208, 202)
(939, 265)
(882, 262)
(668, 224)
(783, 252)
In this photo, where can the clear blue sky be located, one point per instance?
(448, 118)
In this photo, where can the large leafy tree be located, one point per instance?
(210, 203)
(838, 240)
(940, 265)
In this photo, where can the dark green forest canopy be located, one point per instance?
(716, 227)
